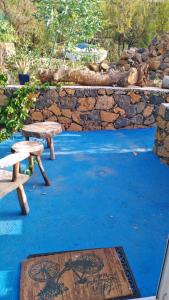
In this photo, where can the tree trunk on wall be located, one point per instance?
(90, 78)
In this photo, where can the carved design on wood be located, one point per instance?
(94, 274)
(86, 269)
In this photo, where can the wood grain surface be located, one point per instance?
(33, 147)
(42, 129)
(12, 159)
(80, 275)
(6, 183)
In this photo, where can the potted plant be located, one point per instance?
(21, 62)
(23, 66)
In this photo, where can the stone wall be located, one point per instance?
(84, 108)
(161, 147)
(94, 108)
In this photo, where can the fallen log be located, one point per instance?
(94, 67)
(90, 78)
(46, 76)
(104, 66)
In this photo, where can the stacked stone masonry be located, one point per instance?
(161, 147)
(98, 108)
(82, 108)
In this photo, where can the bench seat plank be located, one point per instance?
(6, 184)
(12, 159)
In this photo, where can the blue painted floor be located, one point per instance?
(108, 189)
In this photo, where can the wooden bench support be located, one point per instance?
(47, 182)
(16, 169)
(10, 181)
(50, 144)
(31, 163)
(23, 200)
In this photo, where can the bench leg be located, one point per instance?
(23, 200)
(14, 168)
(31, 163)
(48, 142)
(52, 150)
(50, 145)
(47, 182)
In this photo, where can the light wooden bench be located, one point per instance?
(35, 149)
(10, 181)
(45, 130)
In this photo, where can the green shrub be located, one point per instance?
(13, 116)
(7, 32)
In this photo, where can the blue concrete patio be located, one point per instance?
(108, 189)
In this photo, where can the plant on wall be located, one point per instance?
(3, 79)
(23, 62)
(13, 116)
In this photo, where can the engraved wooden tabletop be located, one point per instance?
(80, 275)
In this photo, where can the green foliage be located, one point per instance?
(133, 23)
(13, 115)
(20, 16)
(160, 16)
(48, 26)
(28, 171)
(7, 32)
(22, 61)
(70, 21)
(3, 79)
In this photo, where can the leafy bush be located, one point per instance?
(13, 115)
(7, 32)
(22, 61)
(3, 79)
(70, 22)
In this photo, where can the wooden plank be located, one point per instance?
(12, 159)
(6, 184)
(80, 275)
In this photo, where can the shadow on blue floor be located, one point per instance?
(108, 189)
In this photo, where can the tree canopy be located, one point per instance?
(47, 25)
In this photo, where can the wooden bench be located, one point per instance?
(45, 130)
(10, 181)
(35, 149)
